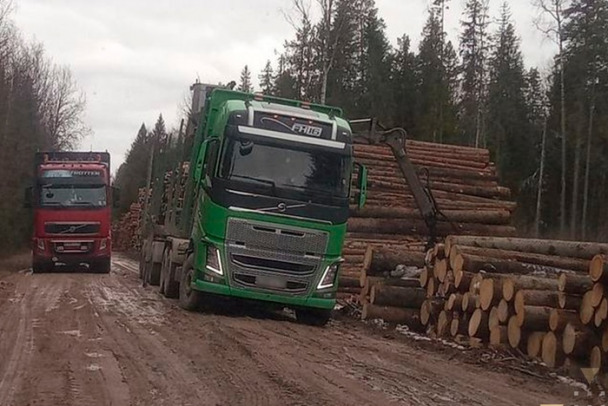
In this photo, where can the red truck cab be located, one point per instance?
(72, 202)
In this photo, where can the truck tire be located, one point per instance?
(40, 267)
(168, 286)
(154, 273)
(313, 317)
(104, 266)
(189, 298)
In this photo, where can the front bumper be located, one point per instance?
(296, 301)
(95, 253)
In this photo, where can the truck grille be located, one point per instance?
(276, 237)
(274, 258)
(72, 228)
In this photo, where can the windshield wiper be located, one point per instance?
(77, 203)
(272, 184)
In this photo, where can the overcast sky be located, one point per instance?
(136, 58)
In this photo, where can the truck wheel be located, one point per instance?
(189, 298)
(154, 274)
(313, 317)
(104, 266)
(40, 267)
(169, 287)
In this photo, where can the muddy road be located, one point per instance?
(86, 339)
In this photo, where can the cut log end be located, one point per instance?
(552, 354)
(534, 344)
(513, 332)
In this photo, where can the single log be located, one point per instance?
(476, 284)
(454, 302)
(474, 263)
(379, 260)
(499, 336)
(493, 318)
(448, 287)
(409, 317)
(534, 318)
(601, 313)
(460, 325)
(573, 264)
(514, 332)
(430, 309)
(490, 292)
(441, 269)
(505, 310)
(534, 343)
(478, 325)
(431, 288)
(598, 269)
(597, 358)
(535, 298)
(469, 301)
(559, 318)
(462, 280)
(352, 291)
(383, 295)
(418, 227)
(517, 282)
(583, 250)
(424, 277)
(345, 282)
(574, 284)
(493, 217)
(400, 282)
(587, 311)
(552, 353)
(597, 294)
(569, 302)
(443, 323)
(576, 340)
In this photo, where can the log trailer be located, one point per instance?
(254, 205)
(71, 199)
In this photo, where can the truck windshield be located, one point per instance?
(316, 171)
(73, 196)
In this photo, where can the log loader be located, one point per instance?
(395, 138)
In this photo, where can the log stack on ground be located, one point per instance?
(547, 298)
(465, 186)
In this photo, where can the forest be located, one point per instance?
(41, 108)
(546, 129)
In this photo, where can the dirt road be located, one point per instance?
(85, 339)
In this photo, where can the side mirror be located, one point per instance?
(361, 185)
(209, 162)
(28, 197)
(115, 197)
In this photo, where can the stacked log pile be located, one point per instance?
(125, 232)
(464, 184)
(547, 298)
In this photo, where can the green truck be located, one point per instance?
(252, 203)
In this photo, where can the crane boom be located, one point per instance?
(395, 138)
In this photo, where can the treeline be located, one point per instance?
(40, 108)
(162, 144)
(547, 131)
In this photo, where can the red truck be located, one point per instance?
(72, 200)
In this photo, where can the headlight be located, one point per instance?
(103, 244)
(329, 276)
(40, 244)
(214, 263)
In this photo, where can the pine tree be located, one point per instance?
(132, 173)
(435, 119)
(245, 81)
(507, 108)
(266, 78)
(473, 51)
(285, 84)
(404, 84)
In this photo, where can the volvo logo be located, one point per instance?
(282, 207)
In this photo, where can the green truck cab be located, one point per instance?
(263, 210)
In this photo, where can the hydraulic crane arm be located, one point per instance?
(395, 138)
